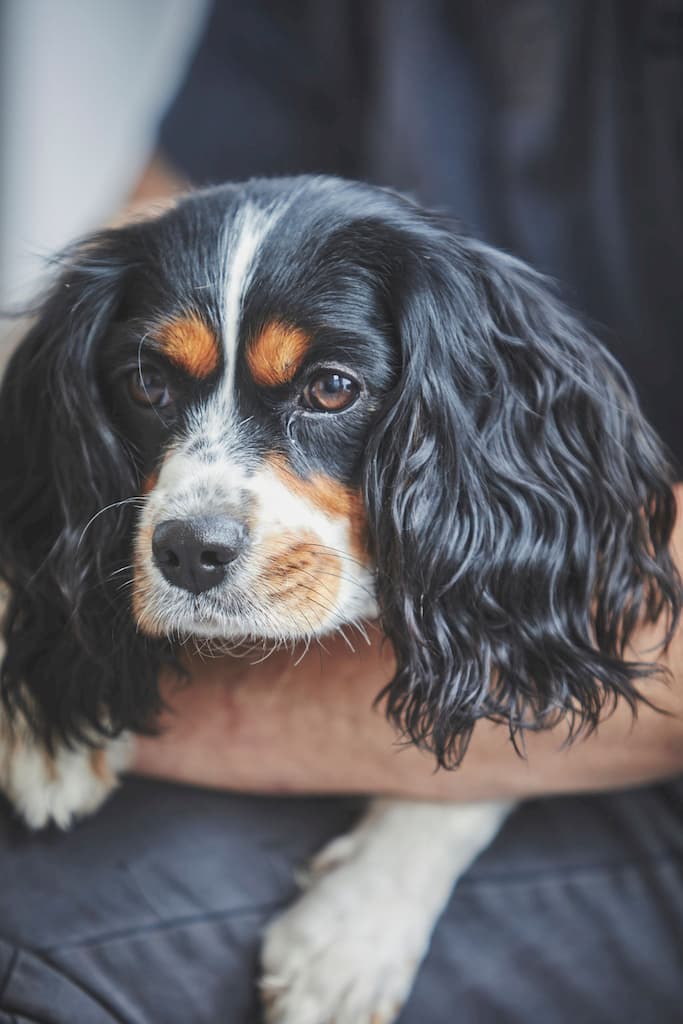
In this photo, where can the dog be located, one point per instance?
(284, 407)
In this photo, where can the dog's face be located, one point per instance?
(246, 377)
(286, 406)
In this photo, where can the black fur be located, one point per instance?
(75, 665)
(519, 506)
(522, 507)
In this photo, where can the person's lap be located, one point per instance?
(151, 911)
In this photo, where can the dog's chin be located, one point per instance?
(236, 613)
(186, 628)
(229, 630)
(201, 619)
(219, 626)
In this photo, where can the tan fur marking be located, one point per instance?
(300, 576)
(275, 356)
(141, 581)
(150, 482)
(190, 344)
(100, 766)
(50, 767)
(332, 498)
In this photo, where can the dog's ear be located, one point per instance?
(520, 507)
(74, 664)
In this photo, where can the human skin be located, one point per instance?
(309, 724)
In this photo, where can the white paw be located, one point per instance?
(348, 951)
(60, 787)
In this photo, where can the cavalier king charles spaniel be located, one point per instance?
(287, 406)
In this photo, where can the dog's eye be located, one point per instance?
(148, 386)
(330, 391)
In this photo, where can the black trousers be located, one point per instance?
(151, 911)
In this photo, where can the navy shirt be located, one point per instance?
(552, 129)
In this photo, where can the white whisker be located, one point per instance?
(107, 508)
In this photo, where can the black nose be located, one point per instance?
(195, 553)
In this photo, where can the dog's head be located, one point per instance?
(286, 406)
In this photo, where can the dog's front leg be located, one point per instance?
(348, 950)
(61, 785)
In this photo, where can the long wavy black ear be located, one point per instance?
(520, 507)
(74, 664)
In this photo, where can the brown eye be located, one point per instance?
(147, 386)
(330, 392)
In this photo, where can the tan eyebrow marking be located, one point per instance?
(275, 356)
(190, 344)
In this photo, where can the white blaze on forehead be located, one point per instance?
(245, 235)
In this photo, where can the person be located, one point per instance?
(550, 129)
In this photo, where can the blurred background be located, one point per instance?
(550, 128)
(84, 84)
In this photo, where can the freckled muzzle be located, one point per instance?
(223, 551)
(195, 554)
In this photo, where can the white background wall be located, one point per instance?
(83, 84)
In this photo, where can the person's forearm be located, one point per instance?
(310, 728)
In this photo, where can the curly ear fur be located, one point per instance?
(61, 463)
(519, 504)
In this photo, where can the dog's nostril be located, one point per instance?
(169, 558)
(212, 559)
(194, 554)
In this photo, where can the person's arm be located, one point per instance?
(311, 727)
